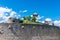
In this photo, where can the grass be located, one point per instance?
(29, 22)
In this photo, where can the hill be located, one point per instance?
(29, 32)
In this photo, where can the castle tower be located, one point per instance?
(36, 16)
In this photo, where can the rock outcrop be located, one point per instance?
(28, 32)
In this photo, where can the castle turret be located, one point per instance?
(36, 16)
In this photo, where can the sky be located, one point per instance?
(47, 9)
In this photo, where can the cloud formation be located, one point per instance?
(48, 19)
(5, 13)
(57, 22)
(23, 11)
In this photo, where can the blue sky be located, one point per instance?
(46, 8)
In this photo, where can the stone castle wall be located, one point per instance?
(30, 32)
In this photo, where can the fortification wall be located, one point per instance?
(29, 32)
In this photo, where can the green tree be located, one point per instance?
(21, 21)
(34, 19)
(27, 18)
(24, 18)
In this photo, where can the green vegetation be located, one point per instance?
(28, 22)
(34, 19)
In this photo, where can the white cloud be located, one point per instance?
(57, 22)
(4, 12)
(5, 9)
(43, 21)
(24, 11)
(40, 17)
(48, 19)
(13, 13)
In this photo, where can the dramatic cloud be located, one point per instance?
(57, 23)
(5, 13)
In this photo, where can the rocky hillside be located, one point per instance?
(18, 31)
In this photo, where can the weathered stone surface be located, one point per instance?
(29, 32)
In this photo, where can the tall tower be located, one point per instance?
(36, 16)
